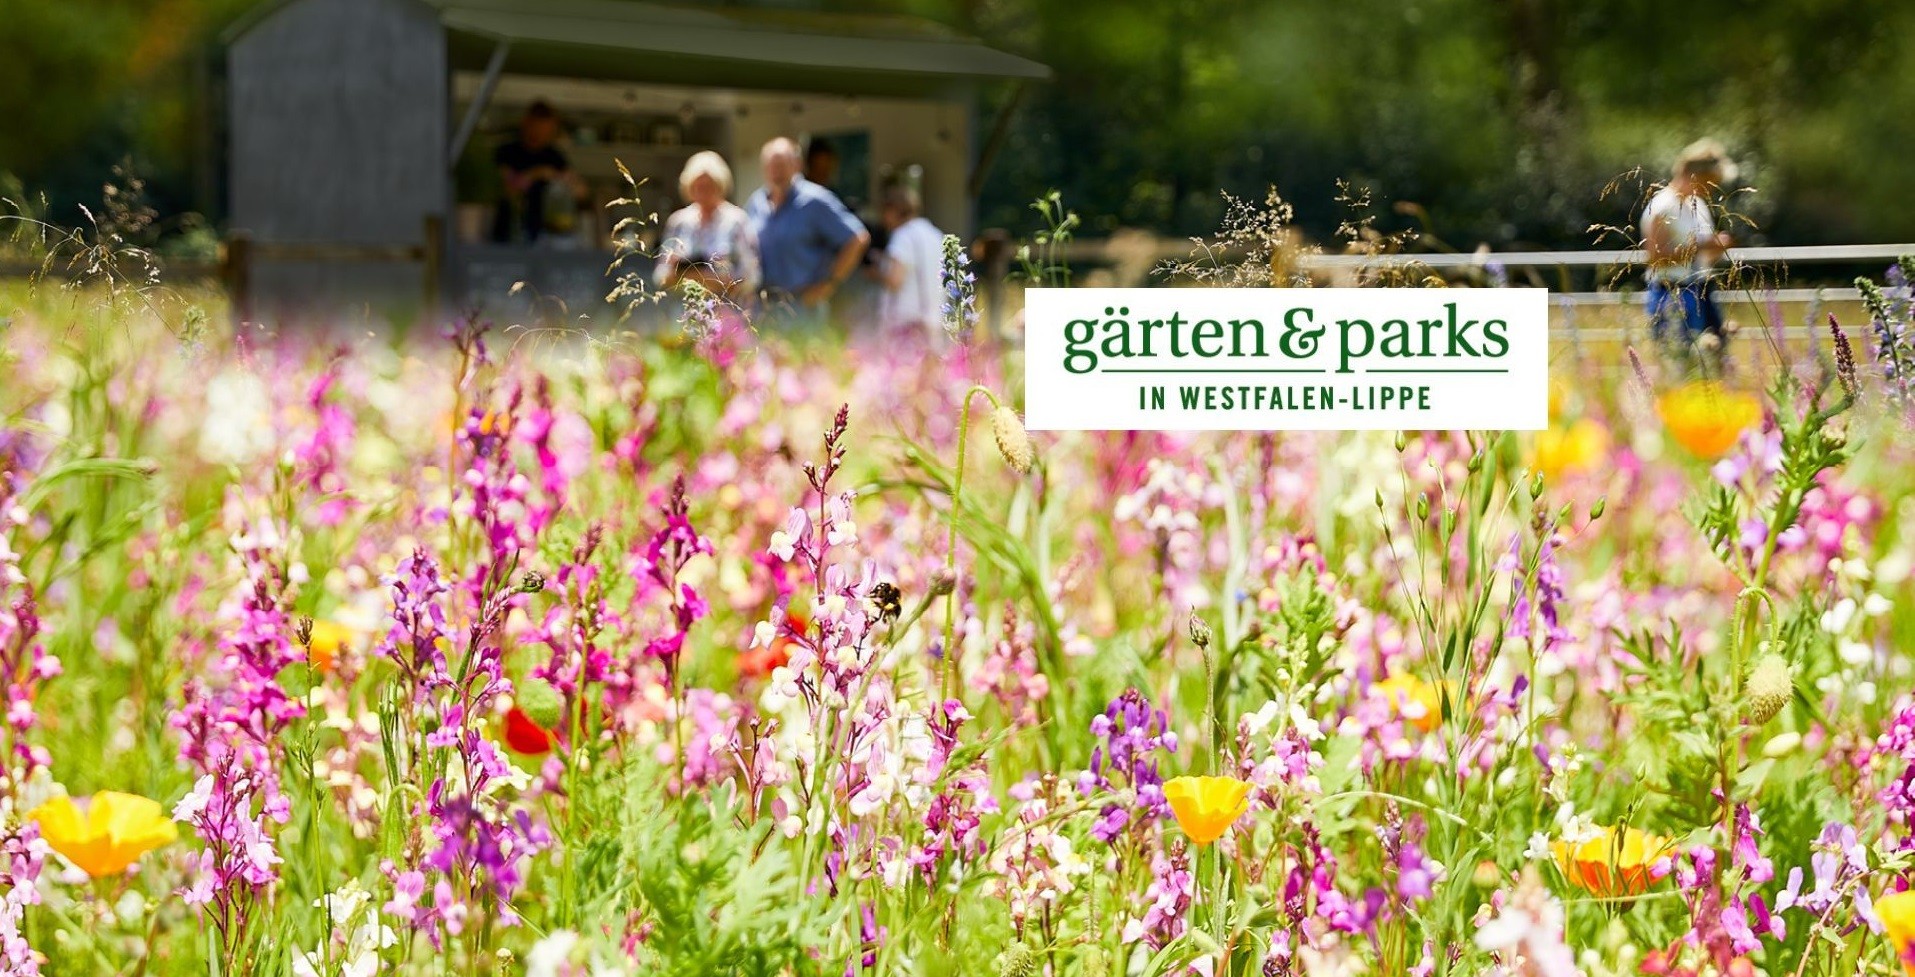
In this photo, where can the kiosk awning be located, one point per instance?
(729, 47)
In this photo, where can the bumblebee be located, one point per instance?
(888, 600)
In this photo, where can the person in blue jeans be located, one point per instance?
(808, 242)
(1679, 234)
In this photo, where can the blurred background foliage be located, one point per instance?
(1501, 121)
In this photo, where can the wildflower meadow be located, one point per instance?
(500, 650)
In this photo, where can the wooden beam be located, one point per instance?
(1000, 131)
(480, 99)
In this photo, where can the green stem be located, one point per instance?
(950, 550)
(1221, 913)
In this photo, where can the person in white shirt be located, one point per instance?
(1683, 246)
(910, 267)
(709, 240)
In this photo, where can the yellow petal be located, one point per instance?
(60, 822)
(115, 831)
(1206, 807)
(1897, 913)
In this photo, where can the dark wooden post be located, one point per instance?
(432, 260)
(236, 269)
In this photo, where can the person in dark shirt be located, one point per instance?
(534, 173)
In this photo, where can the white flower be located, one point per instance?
(782, 545)
(239, 419)
(1836, 619)
(549, 955)
(194, 803)
(1538, 849)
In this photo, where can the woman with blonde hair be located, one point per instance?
(709, 240)
(1683, 246)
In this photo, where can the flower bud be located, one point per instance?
(943, 582)
(1017, 960)
(1013, 441)
(1770, 686)
(1199, 632)
(1596, 511)
(541, 702)
(1781, 745)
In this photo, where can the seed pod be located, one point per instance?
(1013, 441)
(1596, 511)
(1017, 960)
(1770, 686)
(541, 702)
(1096, 964)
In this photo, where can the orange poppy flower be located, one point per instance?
(1580, 447)
(1896, 910)
(109, 836)
(1415, 701)
(329, 638)
(1611, 864)
(1206, 807)
(1707, 418)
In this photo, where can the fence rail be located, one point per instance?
(1165, 249)
(239, 253)
(1811, 254)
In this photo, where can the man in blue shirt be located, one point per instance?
(808, 243)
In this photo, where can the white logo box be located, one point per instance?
(1286, 359)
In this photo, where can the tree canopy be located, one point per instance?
(1513, 123)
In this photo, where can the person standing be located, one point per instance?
(909, 267)
(541, 191)
(808, 243)
(1683, 246)
(709, 240)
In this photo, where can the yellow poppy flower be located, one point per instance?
(1707, 417)
(113, 832)
(1609, 867)
(1580, 447)
(1897, 913)
(329, 638)
(1415, 701)
(1206, 807)
(1558, 399)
